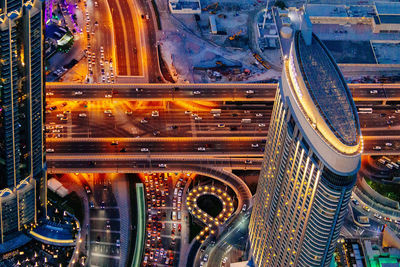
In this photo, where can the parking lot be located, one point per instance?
(164, 223)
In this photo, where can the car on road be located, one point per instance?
(355, 201)
(87, 189)
(107, 111)
(128, 112)
(82, 115)
(49, 150)
(377, 148)
(247, 161)
(387, 219)
(205, 259)
(373, 92)
(201, 149)
(91, 204)
(144, 149)
(376, 215)
(118, 243)
(198, 118)
(259, 114)
(254, 145)
(143, 121)
(366, 208)
(162, 165)
(106, 95)
(221, 125)
(196, 92)
(114, 143)
(155, 113)
(187, 112)
(388, 144)
(261, 125)
(244, 207)
(78, 93)
(103, 205)
(249, 92)
(49, 93)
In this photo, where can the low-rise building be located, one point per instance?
(184, 6)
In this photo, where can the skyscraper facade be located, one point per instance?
(22, 177)
(312, 156)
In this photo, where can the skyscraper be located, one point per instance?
(22, 177)
(312, 156)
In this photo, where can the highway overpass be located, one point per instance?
(211, 92)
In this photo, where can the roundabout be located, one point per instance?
(222, 211)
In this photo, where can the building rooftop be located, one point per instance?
(328, 89)
(387, 8)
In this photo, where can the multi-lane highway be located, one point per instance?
(126, 36)
(126, 137)
(211, 92)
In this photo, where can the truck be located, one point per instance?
(246, 120)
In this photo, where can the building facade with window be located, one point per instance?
(312, 156)
(22, 175)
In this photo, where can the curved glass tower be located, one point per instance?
(22, 178)
(312, 156)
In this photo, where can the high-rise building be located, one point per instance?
(312, 156)
(22, 175)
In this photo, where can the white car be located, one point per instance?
(107, 95)
(143, 121)
(49, 150)
(373, 92)
(107, 111)
(205, 259)
(155, 113)
(259, 114)
(144, 149)
(249, 92)
(198, 118)
(60, 115)
(101, 49)
(254, 145)
(261, 125)
(82, 115)
(162, 165)
(196, 92)
(377, 148)
(187, 112)
(388, 144)
(201, 149)
(78, 93)
(49, 93)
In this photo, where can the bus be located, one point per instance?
(215, 111)
(395, 165)
(365, 110)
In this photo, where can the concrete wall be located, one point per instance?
(376, 196)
